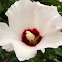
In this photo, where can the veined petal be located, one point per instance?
(33, 14)
(21, 15)
(47, 18)
(52, 40)
(6, 34)
(22, 51)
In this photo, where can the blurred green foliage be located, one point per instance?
(50, 55)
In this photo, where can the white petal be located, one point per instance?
(22, 51)
(21, 15)
(43, 50)
(52, 40)
(8, 47)
(47, 18)
(26, 14)
(56, 23)
(6, 34)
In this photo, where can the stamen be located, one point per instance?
(30, 36)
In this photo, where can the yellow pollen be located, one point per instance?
(30, 36)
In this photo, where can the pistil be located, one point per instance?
(30, 36)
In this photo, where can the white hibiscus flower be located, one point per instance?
(32, 26)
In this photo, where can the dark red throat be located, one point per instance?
(35, 32)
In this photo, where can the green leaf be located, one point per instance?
(58, 51)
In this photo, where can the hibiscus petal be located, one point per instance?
(21, 15)
(22, 51)
(28, 14)
(8, 47)
(6, 34)
(52, 40)
(47, 18)
(43, 50)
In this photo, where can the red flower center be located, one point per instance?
(35, 33)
